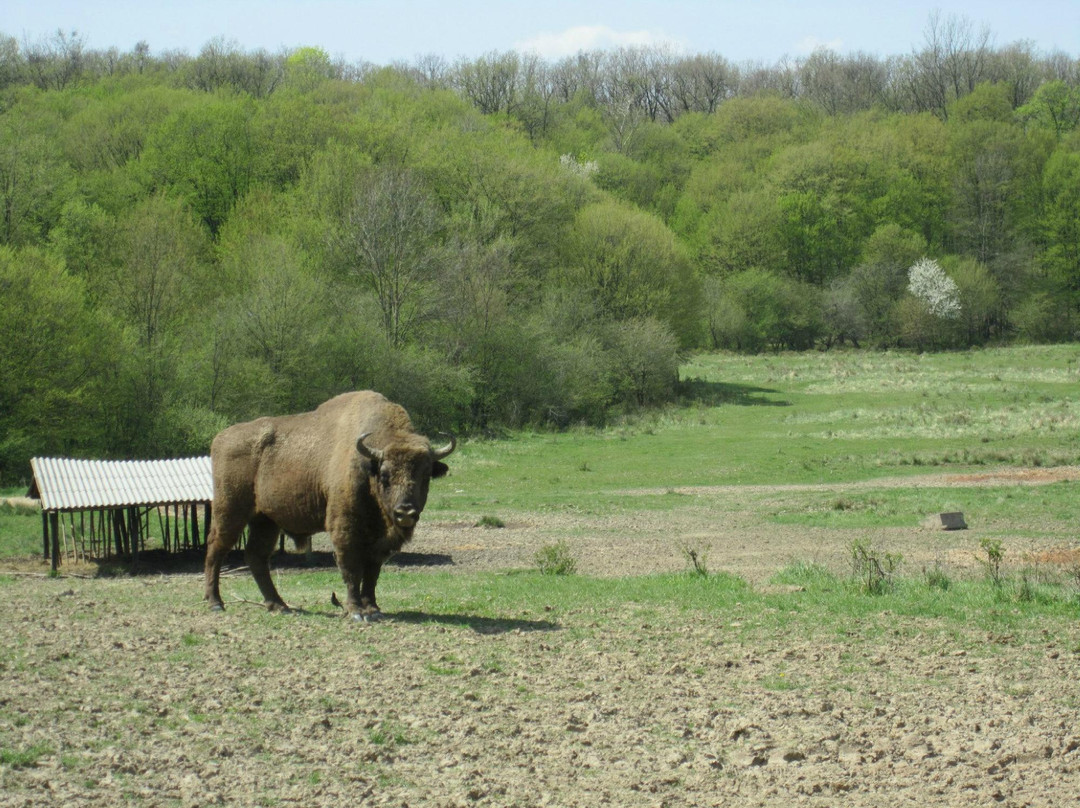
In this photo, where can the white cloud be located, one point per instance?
(812, 43)
(587, 38)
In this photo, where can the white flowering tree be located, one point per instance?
(928, 315)
(928, 282)
(580, 168)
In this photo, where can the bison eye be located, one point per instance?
(384, 478)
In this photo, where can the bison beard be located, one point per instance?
(354, 467)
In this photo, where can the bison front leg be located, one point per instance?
(369, 609)
(360, 575)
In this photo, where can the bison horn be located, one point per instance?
(370, 452)
(443, 451)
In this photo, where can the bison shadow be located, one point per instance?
(713, 394)
(190, 561)
(481, 625)
(319, 559)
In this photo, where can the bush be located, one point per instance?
(435, 392)
(979, 296)
(872, 569)
(555, 559)
(1044, 317)
(767, 310)
(578, 386)
(643, 361)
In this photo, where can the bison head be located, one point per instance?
(401, 472)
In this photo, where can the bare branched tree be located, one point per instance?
(390, 242)
(57, 62)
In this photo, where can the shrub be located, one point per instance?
(697, 560)
(995, 558)
(766, 310)
(1044, 317)
(871, 569)
(555, 559)
(643, 361)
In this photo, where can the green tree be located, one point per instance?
(206, 153)
(34, 179)
(768, 310)
(879, 281)
(88, 239)
(306, 68)
(743, 233)
(281, 324)
(1061, 217)
(631, 264)
(979, 296)
(52, 349)
(159, 283)
(1054, 106)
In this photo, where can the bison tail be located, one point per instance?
(301, 543)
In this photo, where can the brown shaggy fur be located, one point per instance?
(354, 467)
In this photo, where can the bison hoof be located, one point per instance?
(217, 607)
(367, 617)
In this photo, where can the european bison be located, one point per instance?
(354, 467)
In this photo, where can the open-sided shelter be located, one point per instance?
(101, 507)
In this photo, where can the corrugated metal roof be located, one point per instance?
(69, 485)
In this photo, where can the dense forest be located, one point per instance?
(187, 241)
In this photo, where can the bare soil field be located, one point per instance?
(128, 691)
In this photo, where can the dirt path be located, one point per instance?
(725, 524)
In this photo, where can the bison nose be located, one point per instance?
(406, 516)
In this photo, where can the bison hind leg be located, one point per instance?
(224, 534)
(262, 536)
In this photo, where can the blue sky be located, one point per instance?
(383, 31)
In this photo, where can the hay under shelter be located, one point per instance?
(105, 508)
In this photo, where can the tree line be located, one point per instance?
(503, 241)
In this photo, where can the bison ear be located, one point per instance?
(439, 469)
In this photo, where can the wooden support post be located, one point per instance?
(118, 539)
(45, 535)
(54, 528)
(194, 525)
(133, 530)
(206, 523)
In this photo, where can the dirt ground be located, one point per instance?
(111, 693)
(725, 524)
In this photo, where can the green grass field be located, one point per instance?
(789, 419)
(836, 420)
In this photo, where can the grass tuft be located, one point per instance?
(23, 758)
